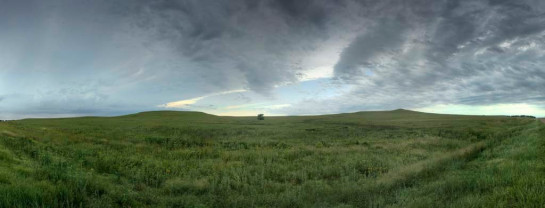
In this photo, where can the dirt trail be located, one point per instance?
(542, 120)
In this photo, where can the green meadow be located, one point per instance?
(189, 159)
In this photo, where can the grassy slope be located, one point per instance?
(394, 158)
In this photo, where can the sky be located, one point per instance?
(63, 58)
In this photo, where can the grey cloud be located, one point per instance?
(467, 52)
(126, 54)
(259, 43)
(307, 13)
(384, 37)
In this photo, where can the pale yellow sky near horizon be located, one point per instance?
(496, 109)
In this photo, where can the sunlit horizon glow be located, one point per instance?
(496, 109)
(188, 102)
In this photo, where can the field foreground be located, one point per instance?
(188, 159)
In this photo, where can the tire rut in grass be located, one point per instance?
(384, 188)
(406, 174)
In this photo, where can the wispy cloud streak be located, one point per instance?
(188, 102)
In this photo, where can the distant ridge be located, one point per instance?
(184, 115)
(405, 110)
(399, 110)
(169, 113)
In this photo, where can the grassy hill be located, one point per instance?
(395, 158)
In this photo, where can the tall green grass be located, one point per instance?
(190, 159)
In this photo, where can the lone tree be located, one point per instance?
(260, 117)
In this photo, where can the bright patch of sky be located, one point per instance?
(495, 109)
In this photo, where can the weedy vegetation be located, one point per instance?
(188, 159)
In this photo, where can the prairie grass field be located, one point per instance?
(395, 158)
